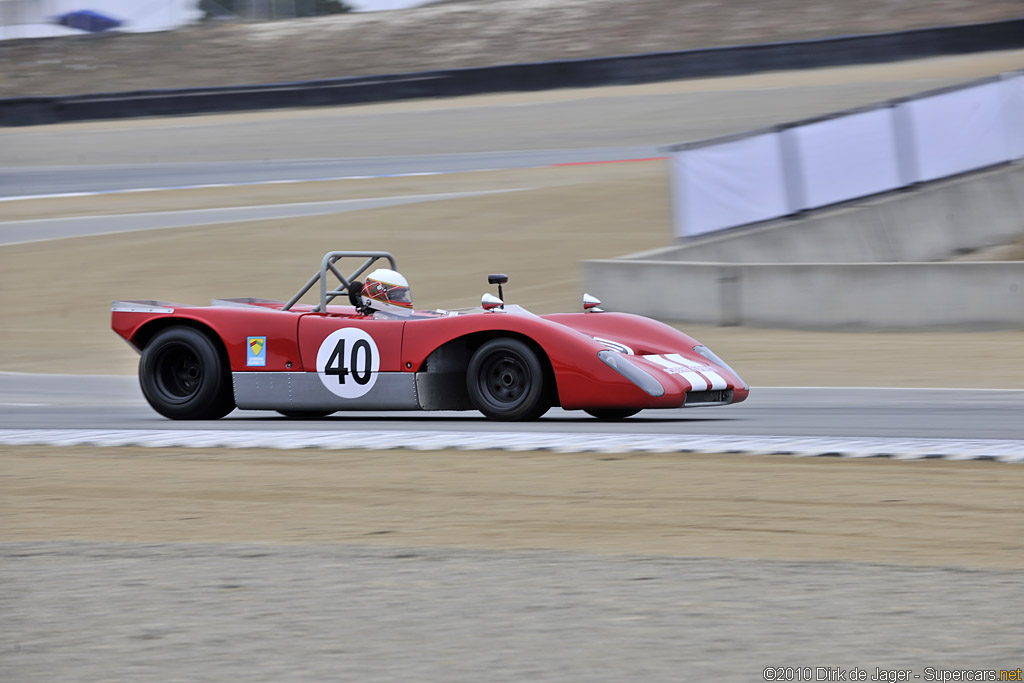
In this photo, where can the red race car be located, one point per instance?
(379, 353)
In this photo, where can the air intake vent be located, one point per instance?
(715, 397)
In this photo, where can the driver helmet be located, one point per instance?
(387, 291)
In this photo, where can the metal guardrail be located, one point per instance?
(577, 73)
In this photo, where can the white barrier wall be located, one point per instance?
(720, 184)
(957, 131)
(844, 158)
(732, 183)
(1013, 113)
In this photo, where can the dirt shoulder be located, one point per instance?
(912, 513)
(447, 35)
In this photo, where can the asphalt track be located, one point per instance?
(38, 230)
(115, 402)
(64, 180)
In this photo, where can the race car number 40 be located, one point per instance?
(347, 362)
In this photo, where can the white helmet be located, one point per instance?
(387, 291)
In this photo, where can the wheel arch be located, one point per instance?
(146, 332)
(474, 340)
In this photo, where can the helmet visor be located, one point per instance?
(400, 296)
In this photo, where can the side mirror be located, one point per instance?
(498, 279)
(591, 303)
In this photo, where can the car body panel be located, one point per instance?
(232, 325)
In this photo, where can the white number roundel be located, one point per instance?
(347, 362)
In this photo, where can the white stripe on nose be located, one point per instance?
(697, 383)
(717, 381)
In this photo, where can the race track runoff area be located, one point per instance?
(405, 553)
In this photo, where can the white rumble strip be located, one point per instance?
(1001, 450)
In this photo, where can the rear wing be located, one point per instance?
(144, 306)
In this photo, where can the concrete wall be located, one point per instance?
(816, 295)
(926, 223)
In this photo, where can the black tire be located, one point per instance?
(612, 413)
(505, 380)
(185, 377)
(305, 414)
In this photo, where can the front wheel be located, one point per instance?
(612, 413)
(505, 380)
(184, 376)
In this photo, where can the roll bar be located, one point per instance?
(327, 264)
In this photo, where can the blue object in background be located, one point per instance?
(88, 20)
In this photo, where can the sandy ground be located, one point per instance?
(463, 34)
(271, 613)
(967, 514)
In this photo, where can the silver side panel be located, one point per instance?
(305, 391)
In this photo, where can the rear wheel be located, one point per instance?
(505, 380)
(184, 376)
(612, 413)
(307, 414)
